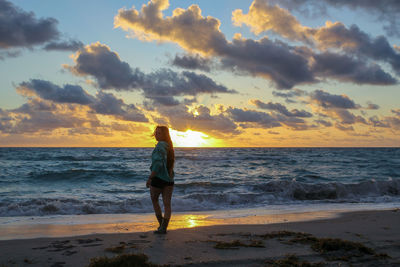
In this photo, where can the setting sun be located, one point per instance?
(191, 139)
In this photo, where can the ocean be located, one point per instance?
(75, 181)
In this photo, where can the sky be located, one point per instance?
(226, 73)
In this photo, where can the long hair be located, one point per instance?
(170, 153)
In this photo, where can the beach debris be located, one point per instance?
(122, 260)
(237, 243)
(291, 260)
(88, 241)
(28, 261)
(116, 249)
(58, 264)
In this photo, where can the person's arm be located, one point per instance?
(151, 176)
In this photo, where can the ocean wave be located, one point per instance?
(333, 190)
(203, 196)
(79, 174)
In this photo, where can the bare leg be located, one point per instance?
(166, 196)
(155, 194)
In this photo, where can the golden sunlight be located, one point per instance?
(191, 139)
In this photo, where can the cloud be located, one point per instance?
(255, 119)
(102, 103)
(337, 107)
(396, 111)
(269, 59)
(346, 117)
(108, 104)
(345, 68)
(327, 100)
(71, 45)
(98, 61)
(353, 40)
(39, 116)
(192, 62)
(273, 60)
(281, 109)
(20, 29)
(9, 54)
(344, 128)
(324, 123)
(49, 91)
(285, 65)
(376, 122)
(263, 16)
(260, 118)
(162, 86)
(188, 27)
(23, 29)
(289, 95)
(198, 119)
(383, 11)
(372, 106)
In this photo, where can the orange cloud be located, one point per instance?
(188, 28)
(264, 17)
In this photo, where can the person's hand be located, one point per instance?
(148, 182)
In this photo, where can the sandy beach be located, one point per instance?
(358, 238)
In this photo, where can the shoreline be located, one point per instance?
(375, 229)
(28, 227)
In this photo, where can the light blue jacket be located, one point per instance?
(159, 161)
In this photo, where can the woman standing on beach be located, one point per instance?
(161, 179)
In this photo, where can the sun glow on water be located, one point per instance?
(191, 139)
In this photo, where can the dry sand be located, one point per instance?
(253, 244)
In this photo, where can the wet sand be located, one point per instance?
(374, 239)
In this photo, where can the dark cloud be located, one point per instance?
(255, 119)
(274, 60)
(9, 54)
(192, 62)
(346, 117)
(261, 118)
(98, 61)
(396, 111)
(384, 11)
(108, 104)
(345, 68)
(355, 41)
(394, 122)
(344, 128)
(37, 116)
(71, 45)
(23, 29)
(35, 105)
(49, 91)
(282, 109)
(324, 123)
(327, 100)
(102, 103)
(289, 95)
(376, 122)
(372, 106)
(162, 86)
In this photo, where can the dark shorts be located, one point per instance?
(160, 183)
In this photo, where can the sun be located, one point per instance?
(191, 139)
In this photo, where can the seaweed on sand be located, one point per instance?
(125, 260)
(237, 243)
(291, 260)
